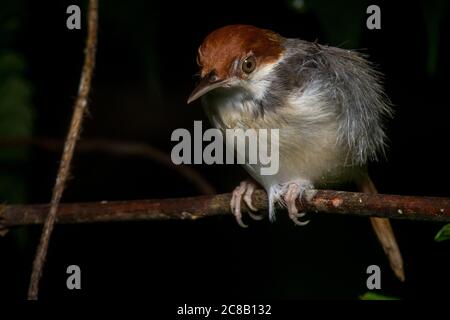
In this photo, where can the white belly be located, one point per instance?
(308, 149)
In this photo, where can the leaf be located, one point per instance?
(375, 296)
(443, 234)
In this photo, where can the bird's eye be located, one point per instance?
(249, 64)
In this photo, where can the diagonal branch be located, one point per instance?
(326, 201)
(69, 147)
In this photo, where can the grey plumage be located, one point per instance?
(352, 86)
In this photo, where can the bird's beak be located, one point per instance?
(207, 83)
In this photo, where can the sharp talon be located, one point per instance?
(238, 215)
(257, 217)
(235, 204)
(248, 202)
(298, 215)
(243, 192)
(290, 197)
(240, 223)
(298, 222)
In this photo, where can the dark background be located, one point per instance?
(144, 74)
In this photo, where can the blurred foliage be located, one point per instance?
(343, 28)
(10, 17)
(375, 296)
(443, 234)
(16, 110)
(434, 12)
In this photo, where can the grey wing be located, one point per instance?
(356, 87)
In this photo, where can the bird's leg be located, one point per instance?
(291, 195)
(243, 192)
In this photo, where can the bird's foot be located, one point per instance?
(293, 192)
(243, 192)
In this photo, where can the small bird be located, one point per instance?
(327, 103)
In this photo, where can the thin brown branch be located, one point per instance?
(326, 201)
(118, 148)
(69, 147)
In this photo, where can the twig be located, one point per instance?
(326, 201)
(118, 148)
(72, 137)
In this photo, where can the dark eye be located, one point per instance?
(249, 64)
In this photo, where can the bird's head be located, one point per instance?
(236, 56)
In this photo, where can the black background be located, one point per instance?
(145, 62)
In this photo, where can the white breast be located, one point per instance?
(307, 144)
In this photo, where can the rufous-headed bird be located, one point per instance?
(327, 103)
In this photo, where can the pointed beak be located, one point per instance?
(206, 84)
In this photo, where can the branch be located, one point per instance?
(326, 201)
(69, 147)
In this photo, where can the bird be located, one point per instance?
(328, 104)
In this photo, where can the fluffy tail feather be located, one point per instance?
(384, 232)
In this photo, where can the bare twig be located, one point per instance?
(118, 148)
(326, 201)
(72, 137)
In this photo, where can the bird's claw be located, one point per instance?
(235, 204)
(243, 192)
(290, 197)
(248, 201)
(298, 214)
(297, 222)
(256, 217)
